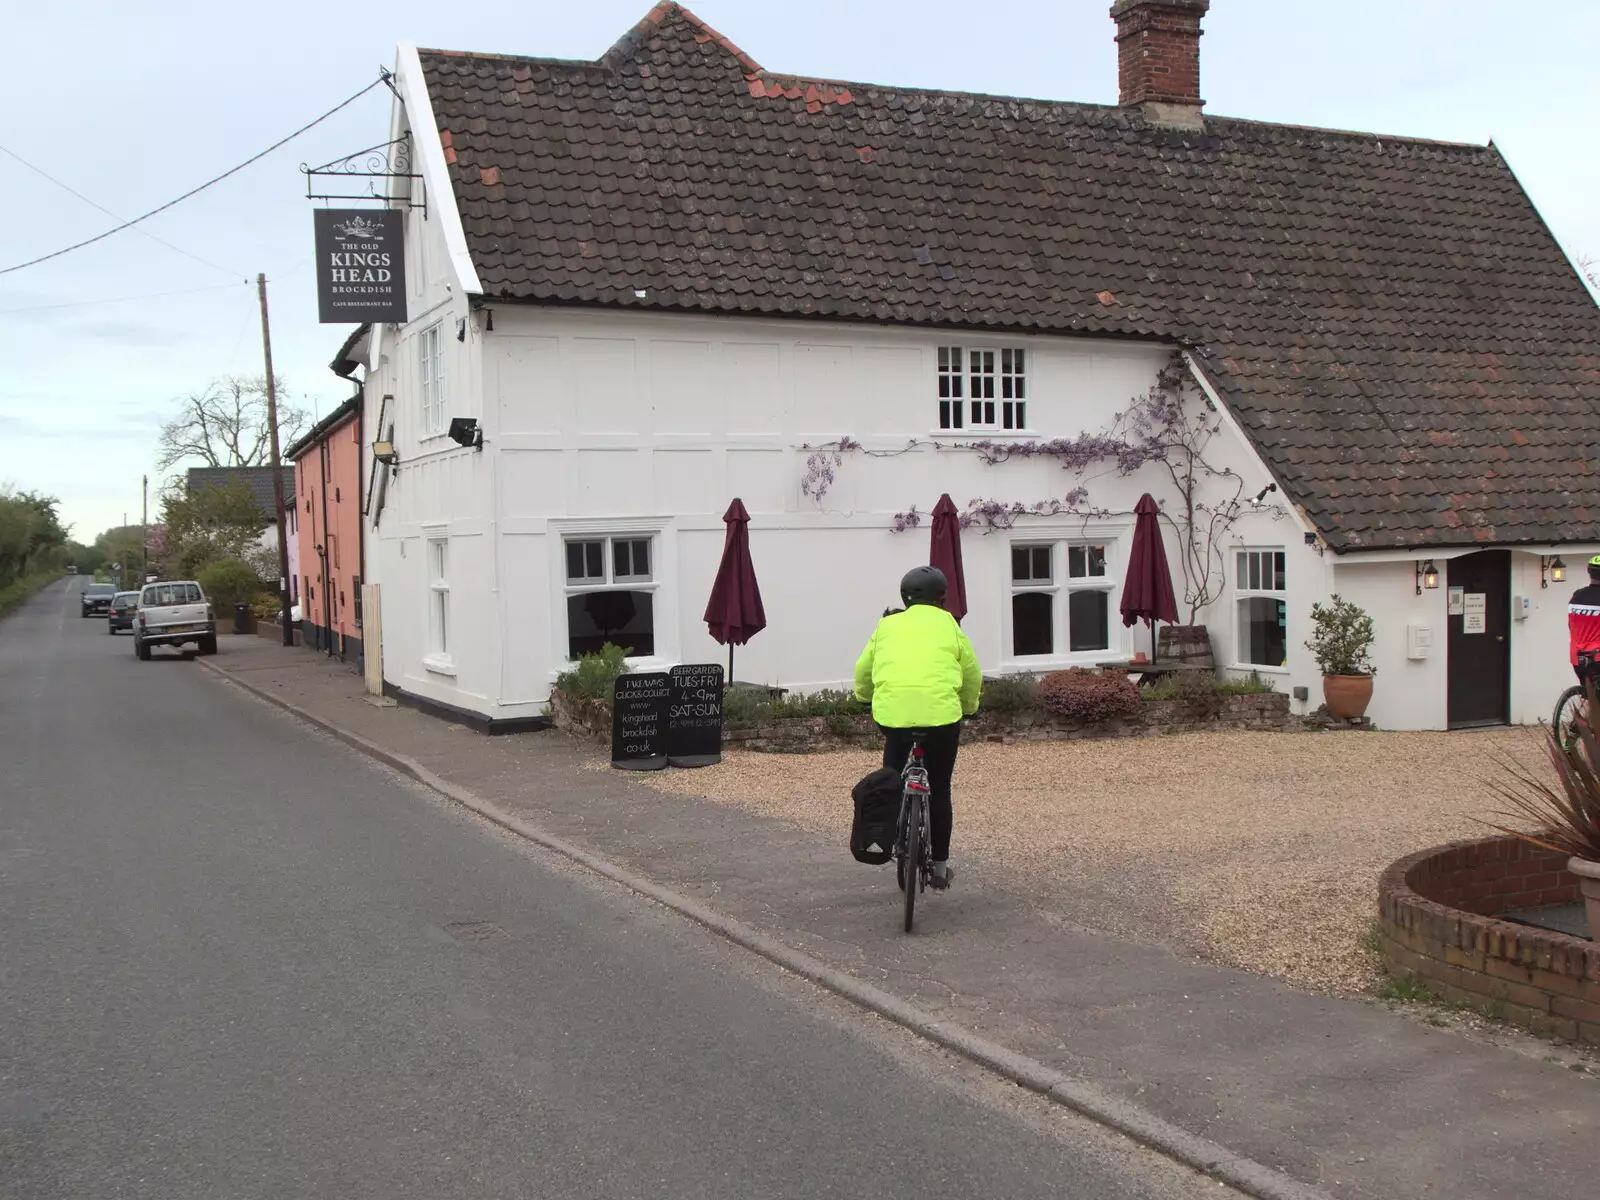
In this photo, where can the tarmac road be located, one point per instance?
(238, 961)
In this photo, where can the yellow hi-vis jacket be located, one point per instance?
(918, 670)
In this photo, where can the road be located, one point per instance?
(236, 960)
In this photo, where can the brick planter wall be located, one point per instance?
(1263, 712)
(1438, 914)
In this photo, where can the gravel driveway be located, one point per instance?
(1258, 850)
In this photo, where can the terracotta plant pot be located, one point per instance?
(1347, 696)
(1588, 874)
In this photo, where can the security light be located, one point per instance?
(465, 432)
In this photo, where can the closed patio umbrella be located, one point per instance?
(734, 614)
(945, 553)
(1147, 592)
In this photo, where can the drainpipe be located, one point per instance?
(361, 521)
(327, 573)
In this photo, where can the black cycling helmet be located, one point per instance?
(923, 585)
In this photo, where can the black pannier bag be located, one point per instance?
(872, 832)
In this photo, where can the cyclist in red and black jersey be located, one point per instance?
(1583, 619)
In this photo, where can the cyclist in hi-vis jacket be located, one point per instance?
(1583, 619)
(919, 672)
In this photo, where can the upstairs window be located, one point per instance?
(430, 380)
(983, 389)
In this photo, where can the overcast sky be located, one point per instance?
(132, 105)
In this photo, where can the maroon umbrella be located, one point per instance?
(734, 614)
(945, 553)
(1147, 592)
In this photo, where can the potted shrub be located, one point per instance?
(1565, 818)
(1341, 642)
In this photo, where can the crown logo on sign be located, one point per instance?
(358, 227)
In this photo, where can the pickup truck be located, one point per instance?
(171, 613)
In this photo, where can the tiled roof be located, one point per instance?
(1389, 319)
(257, 479)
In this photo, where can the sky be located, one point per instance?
(132, 105)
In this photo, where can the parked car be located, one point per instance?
(174, 612)
(124, 605)
(96, 598)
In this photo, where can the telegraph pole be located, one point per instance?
(277, 469)
(144, 529)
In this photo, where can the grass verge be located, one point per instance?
(15, 593)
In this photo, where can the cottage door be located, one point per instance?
(1480, 639)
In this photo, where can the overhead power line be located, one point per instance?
(197, 190)
(43, 174)
(33, 308)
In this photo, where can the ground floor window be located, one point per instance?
(439, 596)
(611, 590)
(1260, 586)
(1060, 598)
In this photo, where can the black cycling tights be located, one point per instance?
(939, 748)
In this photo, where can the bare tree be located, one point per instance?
(225, 425)
(1591, 272)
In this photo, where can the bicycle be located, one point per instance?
(1572, 709)
(913, 853)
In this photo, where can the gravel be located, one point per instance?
(1262, 851)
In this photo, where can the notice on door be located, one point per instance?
(1456, 603)
(1474, 612)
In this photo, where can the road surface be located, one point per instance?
(236, 960)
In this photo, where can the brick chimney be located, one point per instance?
(1158, 58)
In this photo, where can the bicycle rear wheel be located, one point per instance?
(1572, 708)
(913, 859)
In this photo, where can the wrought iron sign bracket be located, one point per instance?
(386, 162)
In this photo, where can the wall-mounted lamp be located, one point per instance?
(466, 431)
(1551, 570)
(461, 329)
(385, 453)
(1271, 487)
(1427, 576)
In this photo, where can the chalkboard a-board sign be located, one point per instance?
(694, 718)
(639, 722)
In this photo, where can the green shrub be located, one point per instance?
(227, 582)
(1088, 696)
(748, 706)
(1342, 638)
(1198, 688)
(16, 592)
(1010, 694)
(265, 606)
(595, 675)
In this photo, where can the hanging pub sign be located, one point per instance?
(361, 265)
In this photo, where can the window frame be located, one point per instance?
(665, 607)
(610, 581)
(430, 386)
(436, 576)
(1061, 586)
(991, 374)
(1244, 592)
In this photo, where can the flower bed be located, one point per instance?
(1257, 712)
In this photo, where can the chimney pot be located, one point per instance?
(1158, 58)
